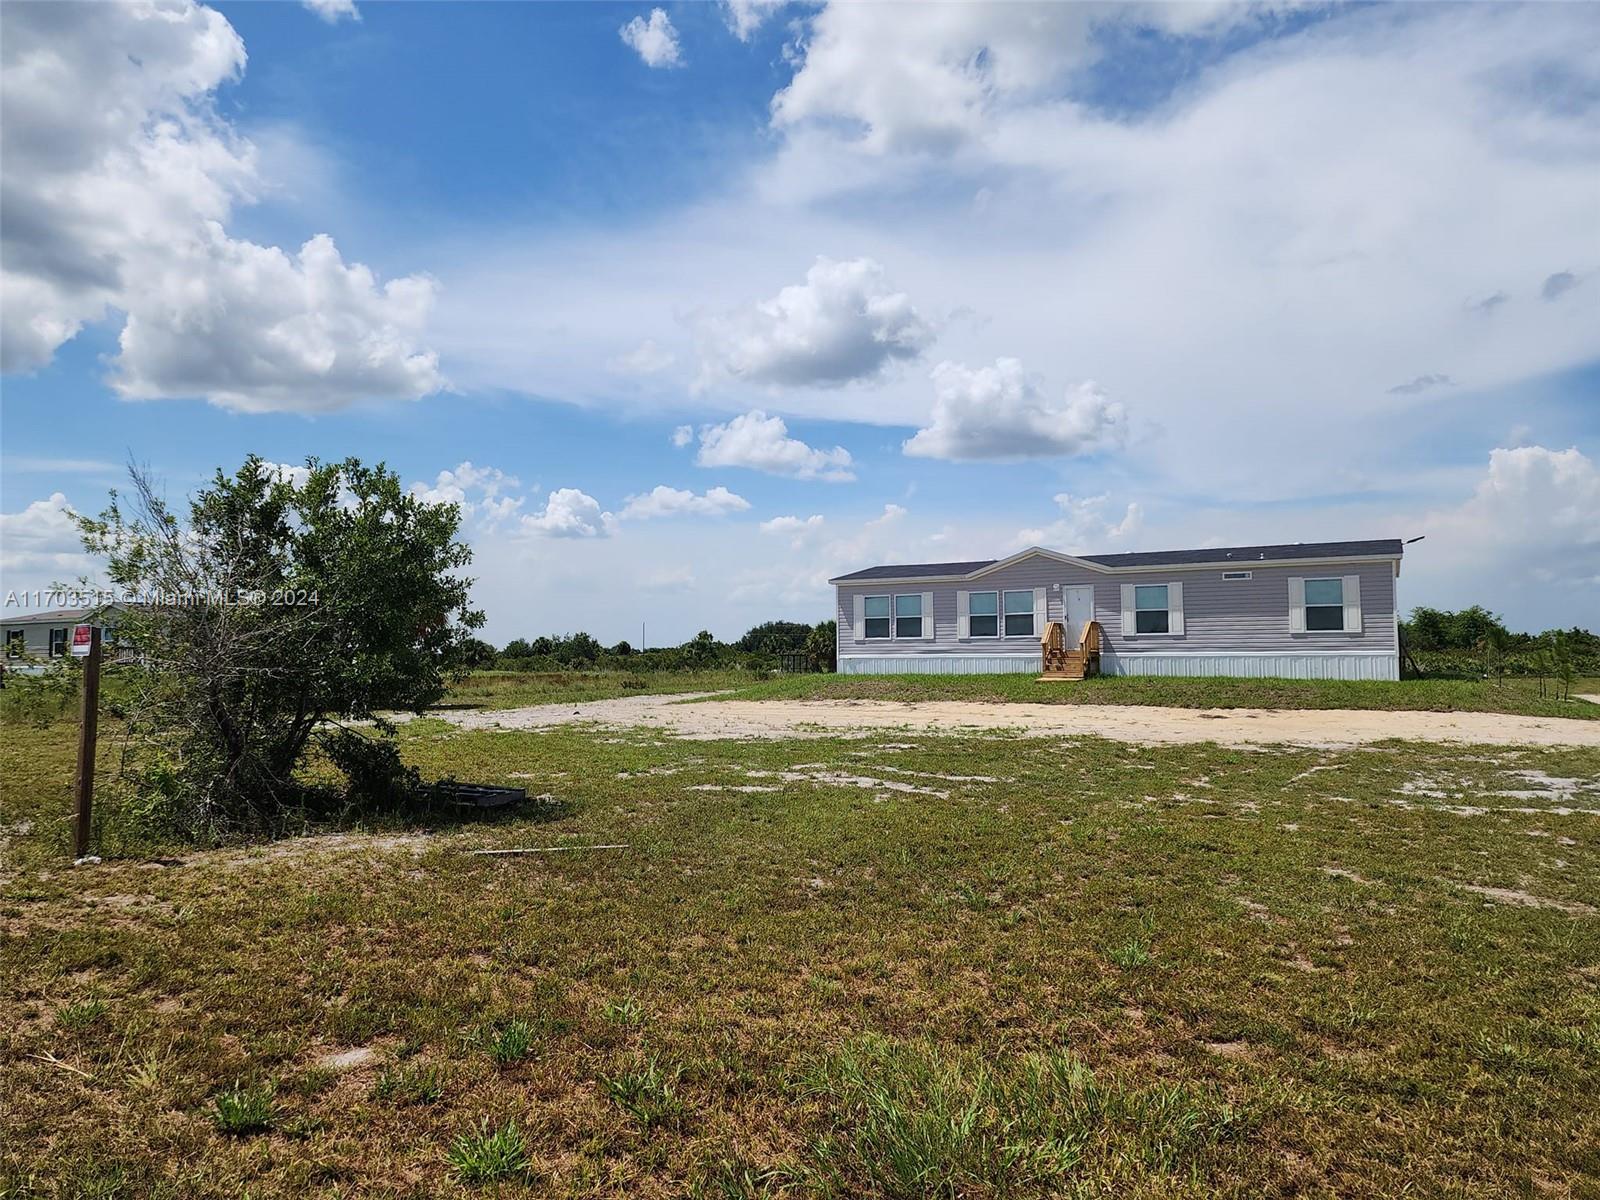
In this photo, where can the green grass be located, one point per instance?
(242, 1110)
(512, 1043)
(1510, 695)
(517, 689)
(1102, 970)
(410, 1084)
(486, 1155)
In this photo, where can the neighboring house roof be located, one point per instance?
(1286, 552)
(57, 616)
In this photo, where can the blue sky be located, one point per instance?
(695, 306)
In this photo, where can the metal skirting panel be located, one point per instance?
(1258, 666)
(939, 664)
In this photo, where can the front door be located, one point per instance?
(1080, 611)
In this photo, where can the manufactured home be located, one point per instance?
(32, 641)
(1308, 610)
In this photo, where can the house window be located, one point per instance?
(1150, 611)
(1019, 614)
(983, 614)
(876, 613)
(16, 643)
(1236, 574)
(58, 642)
(1325, 605)
(908, 616)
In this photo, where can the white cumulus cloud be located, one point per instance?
(479, 491)
(653, 39)
(333, 11)
(569, 513)
(1536, 510)
(255, 329)
(744, 17)
(934, 78)
(843, 324)
(682, 436)
(762, 443)
(1002, 412)
(120, 177)
(1084, 528)
(663, 501)
(41, 544)
(791, 524)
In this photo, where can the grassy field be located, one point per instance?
(1432, 695)
(516, 689)
(896, 966)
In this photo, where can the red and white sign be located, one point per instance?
(82, 638)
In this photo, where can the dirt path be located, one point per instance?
(1128, 723)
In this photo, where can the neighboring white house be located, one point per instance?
(32, 641)
(1312, 610)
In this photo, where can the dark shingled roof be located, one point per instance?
(1377, 548)
(919, 570)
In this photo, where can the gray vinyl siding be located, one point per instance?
(1232, 618)
(36, 638)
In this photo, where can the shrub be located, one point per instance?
(297, 604)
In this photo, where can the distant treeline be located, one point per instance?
(1476, 642)
(766, 647)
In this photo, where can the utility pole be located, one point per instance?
(88, 728)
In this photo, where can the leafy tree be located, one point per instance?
(477, 653)
(622, 650)
(701, 651)
(775, 637)
(517, 648)
(278, 612)
(822, 646)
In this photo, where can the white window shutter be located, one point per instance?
(861, 619)
(928, 630)
(1039, 602)
(1352, 604)
(1129, 623)
(1175, 609)
(1297, 604)
(963, 615)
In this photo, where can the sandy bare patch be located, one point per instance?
(349, 1060)
(1526, 900)
(1346, 873)
(274, 853)
(1330, 728)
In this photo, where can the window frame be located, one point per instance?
(1032, 614)
(1165, 610)
(996, 616)
(1237, 576)
(58, 649)
(19, 639)
(895, 617)
(1308, 606)
(866, 620)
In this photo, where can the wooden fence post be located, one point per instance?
(88, 729)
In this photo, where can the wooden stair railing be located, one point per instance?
(1080, 661)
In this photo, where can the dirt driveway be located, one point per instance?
(1128, 723)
